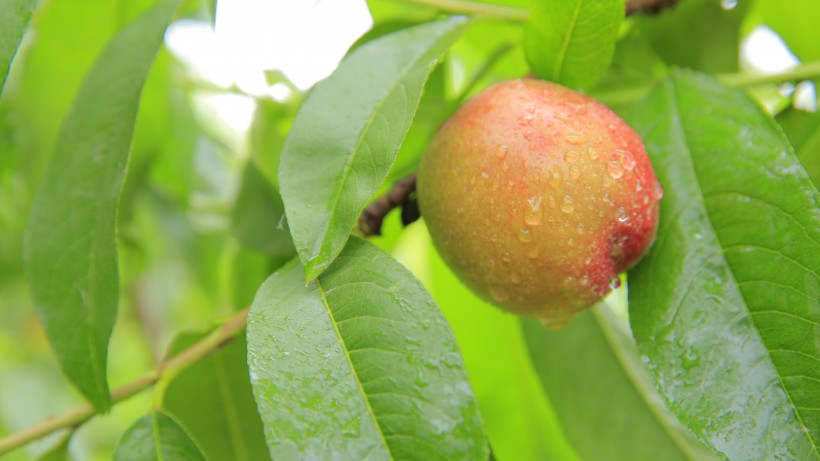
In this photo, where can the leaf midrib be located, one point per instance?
(360, 141)
(679, 127)
(353, 370)
(559, 64)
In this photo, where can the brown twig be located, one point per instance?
(370, 222)
(649, 6)
(73, 418)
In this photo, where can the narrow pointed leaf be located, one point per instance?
(347, 133)
(157, 437)
(359, 364)
(70, 243)
(571, 42)
(214, 401)
(602, 393)
(14, 18)
(726, 306)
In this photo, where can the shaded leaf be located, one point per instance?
(14, 17)
(58, 452)
(70, 242)
(602, 393)
(803, 130)
(698, 34)
(214, 401)
(359, 364)
(346, 135)
(571, 42)
(257, 219)
(157, 437)
(727, 303)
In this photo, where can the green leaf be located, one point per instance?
(58, 452)
(571, 42)
(70, 243)
(697, 34)
(725, 305)
(14, 17)
(602, 392)
(346, 136)
(156, 436)
(803, 130)
(214, 401)
(359, 364)
(258, 215)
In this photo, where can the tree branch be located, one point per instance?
(515, 14)
(73, 418)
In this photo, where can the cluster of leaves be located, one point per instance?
(347, 354)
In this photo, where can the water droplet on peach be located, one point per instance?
(555, 178)
(575, 139)
(575, 172)
(593, 153)
(622, 215)
(572, 156)
(567, 204)
(501, 152)
(524, 235)
(534, 212)
(615, 169)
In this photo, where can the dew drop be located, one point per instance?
(645, 200)
(627, 160)
(585, 281)
(501, 152)
(572, 156)
(534, 212)
(622, 215)
(494, 238)
(593, 153)
(657, 192)
(638, 186)
(526, 119)
(498, 293)
(528, 135)
(615, 169)
(580, 229)
(575, 139)
(505, 167)
(614, 283)
(575, 172)
(571, 242)
(515, 278)
(506, 257)
(728, 4)
(567, 205)
(485, 175)
(552, 202)
(524, 235)
(555, 178)
(607, 181)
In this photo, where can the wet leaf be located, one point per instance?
(359, 363)
(345, 138)
(726, 305)
(70, 243)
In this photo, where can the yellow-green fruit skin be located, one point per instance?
(538, 197)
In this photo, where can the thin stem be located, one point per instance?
(73, 418)
(804, 71)
(489, 10)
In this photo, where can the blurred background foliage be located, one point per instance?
(200, 215)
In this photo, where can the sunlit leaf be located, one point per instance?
(726, 306)
(347, 133)
(214, 401)
(70, 246)
(593, 365)
(14, 17)
(571, 41)
(157, 437)
(359, 364)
